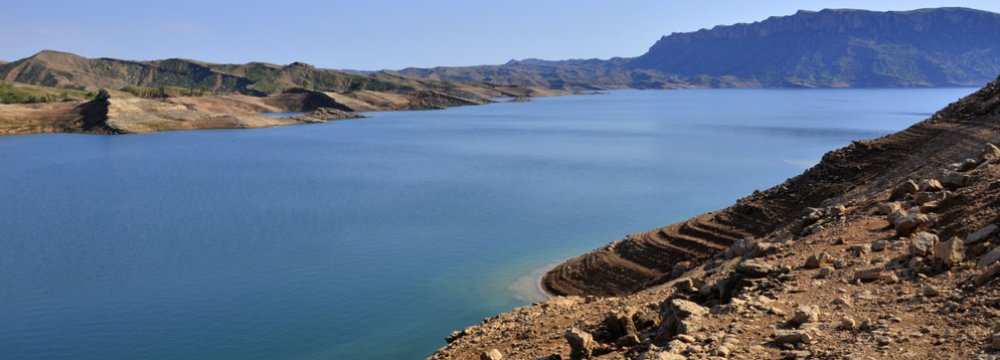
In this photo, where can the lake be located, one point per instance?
(375, 238)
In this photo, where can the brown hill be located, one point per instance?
(648, 258)
(887, 249)
(70, 71)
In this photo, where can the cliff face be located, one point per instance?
(829, 48)
(839, 48)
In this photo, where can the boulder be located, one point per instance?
(909, 223)
(817, 260)
(990, 258)
(924, 197)
(887, 208)
(955, 179)
(981, 234)
(905, 188)
(897, 214)
(792, 336)
(620, 323)
(859, 249)
(879, 245)
(930, 185)
(922, 244)
(950, 253)
(990, 153)
(629, 340)
(812, 215)
(848, 323)
(753, 269)
(677, 316)
(684, 309)
(493, 354)
(868, 274)
(805, 314)
(581, 343)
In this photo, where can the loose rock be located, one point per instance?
(752, 269)
(930, 185)
(581, 343)
(805, 314)
(906, 225)
(792, 336)
(868, 275)
(990, 258)
(817, 260)
(922, 244)
(905, 188)
(493, 354)
(955, 179)
(950, 252)
(982, 234)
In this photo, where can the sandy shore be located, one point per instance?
(528, 287)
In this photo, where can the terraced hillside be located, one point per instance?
(648, 258)
(887, 249)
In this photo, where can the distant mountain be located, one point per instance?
(66, 70)
(591, 74)
(829, 48)
(840, 48)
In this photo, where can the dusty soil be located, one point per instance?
(846, 261)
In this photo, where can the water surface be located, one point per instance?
(373, 239)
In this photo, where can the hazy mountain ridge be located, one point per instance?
(828, 48)
(840, 48)
(66, 70)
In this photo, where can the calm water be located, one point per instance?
(372, 239)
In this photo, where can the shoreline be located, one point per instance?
(528, 286)
(540, 282)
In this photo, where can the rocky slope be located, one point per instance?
(887, 249)
(829, 48)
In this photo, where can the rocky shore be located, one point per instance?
(887, 249)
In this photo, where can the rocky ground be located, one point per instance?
(902, 264)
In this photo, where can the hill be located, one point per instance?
(48, 92)
(828, 48)
(70, 71)
(887, 249)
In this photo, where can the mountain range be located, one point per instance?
(65, 70)
(829, 48)
(832, 48)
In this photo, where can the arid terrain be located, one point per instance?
(54, 92)
(887, 249)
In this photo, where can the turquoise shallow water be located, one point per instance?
(373, 239)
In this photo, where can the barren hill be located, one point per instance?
(66, 70)
(887, 249)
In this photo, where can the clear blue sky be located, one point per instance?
(379, 34)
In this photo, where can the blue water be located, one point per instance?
(374, 239)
